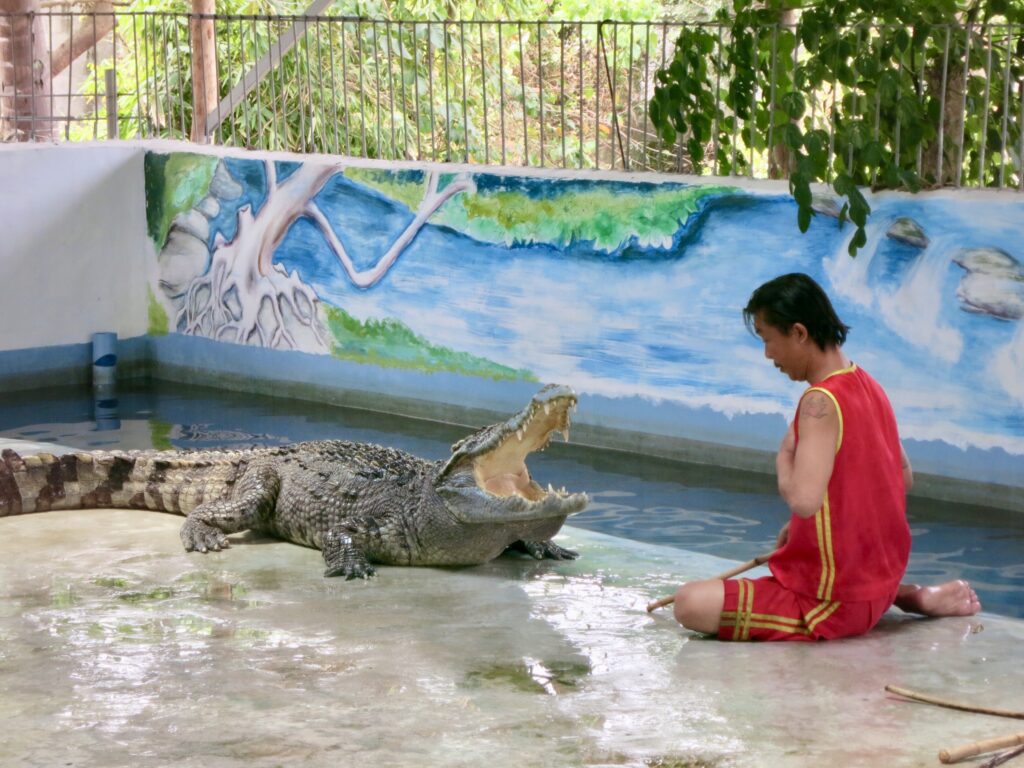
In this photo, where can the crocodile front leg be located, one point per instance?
(343, 556)
(542, 549)
(207, 526)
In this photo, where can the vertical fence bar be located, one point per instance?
(984, 119)
(878, 100)
(501, 90)
(582, 128)
(447, 98)
(771, 101)
(483, 91)
(465, 110)
(963, 105)
(561, 84)
(391, 93)
(362, 89)
(1020, 148)
(151, 102)
(401, 86)
(597, 96)
(167, 84)
(647, 80)
(138, 86)
(309, 86)
(1006, 109)
(376, 88)
(344, 88)
(629, 100)
(430, 88)
(522, 94)
(110, 92)
(416, 89)
(95, 83)
(942, 110)
(540, 86)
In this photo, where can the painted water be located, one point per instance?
(702, 509)
(628, 290)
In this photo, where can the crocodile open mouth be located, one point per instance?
(502, 471)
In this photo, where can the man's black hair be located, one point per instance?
(796, 298)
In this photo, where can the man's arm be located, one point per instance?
(908, 471)
(804, 469)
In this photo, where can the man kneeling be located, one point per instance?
(844, 475)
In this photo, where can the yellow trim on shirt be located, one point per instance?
(823, 526)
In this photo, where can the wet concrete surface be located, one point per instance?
(117, 648)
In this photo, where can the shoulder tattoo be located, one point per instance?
(816, 405)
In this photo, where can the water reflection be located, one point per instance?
(705, 509)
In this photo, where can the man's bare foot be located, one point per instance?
(954, 598)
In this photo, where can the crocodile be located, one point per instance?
(361, 504)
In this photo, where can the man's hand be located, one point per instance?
(783, 537)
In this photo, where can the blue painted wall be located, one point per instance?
(629, 289)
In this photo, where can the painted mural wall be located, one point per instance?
(623, 288)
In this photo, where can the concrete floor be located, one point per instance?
(118, 648)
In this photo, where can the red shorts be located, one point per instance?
(763, 609)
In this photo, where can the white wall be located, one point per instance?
(72, 238)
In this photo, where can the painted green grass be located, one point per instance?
(391, 344)
(159, 325)
(607, 217)
(405, 187)
(174, 183)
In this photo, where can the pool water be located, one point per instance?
(711, 510)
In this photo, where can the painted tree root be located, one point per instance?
(246, 298)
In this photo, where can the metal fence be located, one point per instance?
(546, 94)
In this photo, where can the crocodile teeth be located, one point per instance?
(519, 434)
(547, 409)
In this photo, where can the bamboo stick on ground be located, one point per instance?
(1002, 757)
(980, 747)
(741, 568)
(908, 694)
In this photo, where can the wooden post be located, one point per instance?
(203, 43)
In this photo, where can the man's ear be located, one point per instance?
(799, 332)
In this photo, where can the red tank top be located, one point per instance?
(856, 546)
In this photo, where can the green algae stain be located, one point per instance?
(152, 595)
(160, 435)
(391, 344)
(530, 676)
(174, 183)
(111, 582)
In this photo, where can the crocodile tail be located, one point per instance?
(73, 481)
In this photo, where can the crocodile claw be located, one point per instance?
(198, 536)
(541, 550)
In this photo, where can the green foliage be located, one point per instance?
(854, 94)
(607, 218)
(174, 183)
(390, 344)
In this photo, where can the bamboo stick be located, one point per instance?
(980, 747)
(1002, 757)
(908, 694)
(741, 568)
